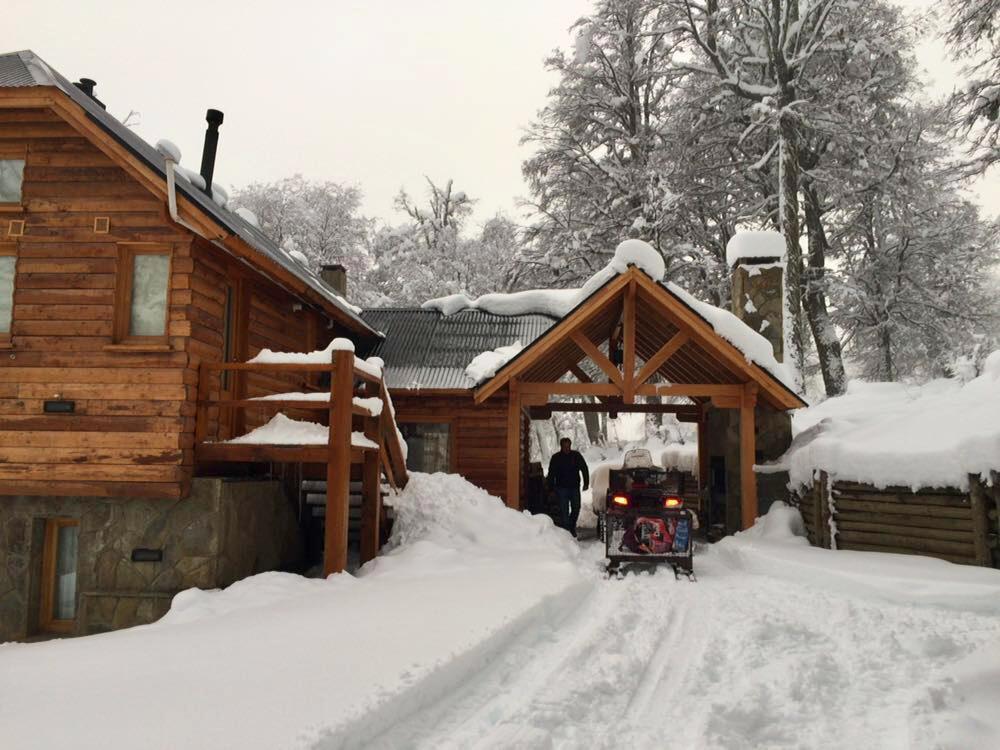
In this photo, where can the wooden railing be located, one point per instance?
(349, 379)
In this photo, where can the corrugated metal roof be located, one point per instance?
(25, 68)
(424, 349)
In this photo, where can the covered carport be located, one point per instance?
(647, 342)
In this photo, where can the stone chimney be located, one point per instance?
(335, 276)
(757, 263)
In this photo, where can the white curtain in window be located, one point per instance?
(7, 263)
(149, 295)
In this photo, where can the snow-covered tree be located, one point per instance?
(974, 36)
(432, 254)
(322, 220)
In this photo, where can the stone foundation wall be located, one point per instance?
(223, 531)
(774, 435)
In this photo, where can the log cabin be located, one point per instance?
(121, 274)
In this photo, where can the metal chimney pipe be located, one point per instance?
(86, 85)
(214, 118)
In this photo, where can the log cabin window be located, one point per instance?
(428, 446)
(11, 180)
(59, 575)
(143, 289)
(8, 267)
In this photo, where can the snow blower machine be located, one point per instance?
(644, 522)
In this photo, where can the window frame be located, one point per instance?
(9, 251)
(47, 621)
(451, 421)
(123, 296)
(15, 153)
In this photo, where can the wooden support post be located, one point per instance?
(628, 345)
(980, 522)
(202, 410)
(748, 452)
(514, 445)
(823, 514)
(338, 467)
(703, 453)
(371, 487)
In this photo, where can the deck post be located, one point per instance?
(514, 445)
(371, 487)
(202, 408)
(748, 453)
(980, 522)
(703, 453)
(338, 466)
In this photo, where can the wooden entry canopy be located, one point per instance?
(656, 333)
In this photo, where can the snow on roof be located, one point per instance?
(895, 434)
(754, 244)
(755, 348)
(558, 302)
(485, 365)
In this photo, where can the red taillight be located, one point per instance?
(673, 502)
(620, 500)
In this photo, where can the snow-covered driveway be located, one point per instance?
(484, 628)
(738, 660)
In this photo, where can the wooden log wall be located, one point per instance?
(132, 432)
(478, 433)
(946, 523)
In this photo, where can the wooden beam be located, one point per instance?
(657, 361)
(371, 487)
(338, 468)
(748, 453)
(589, 406)
(691, 390)
(703, 453)
(513, 498)
(580, 374)
(628, 345)
(598, 358)
(543, 345)
(570, 389)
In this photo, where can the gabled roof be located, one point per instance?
(425, 349)
(25, 69)
(662, 314)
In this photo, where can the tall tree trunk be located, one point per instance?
(831, 361)
(593, 422)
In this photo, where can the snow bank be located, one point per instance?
(776, 546)
(281, 430)
(754, 245)
(486, 364)
(931, 435)
(281, 661)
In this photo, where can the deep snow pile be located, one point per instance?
(278, 660)
(931, 435)
(282, 430)
(486, 364)
(558, 302)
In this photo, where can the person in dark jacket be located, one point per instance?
(565, 469)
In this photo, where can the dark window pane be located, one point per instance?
(64, 601)
(428, 446)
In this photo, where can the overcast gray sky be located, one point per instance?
(376, 93)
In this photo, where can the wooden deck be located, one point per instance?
(343, 416)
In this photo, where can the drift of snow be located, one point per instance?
(280, 430)
(299, 257)
(298, 663)
(931, 435)
(486, 364)
(750, 245)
